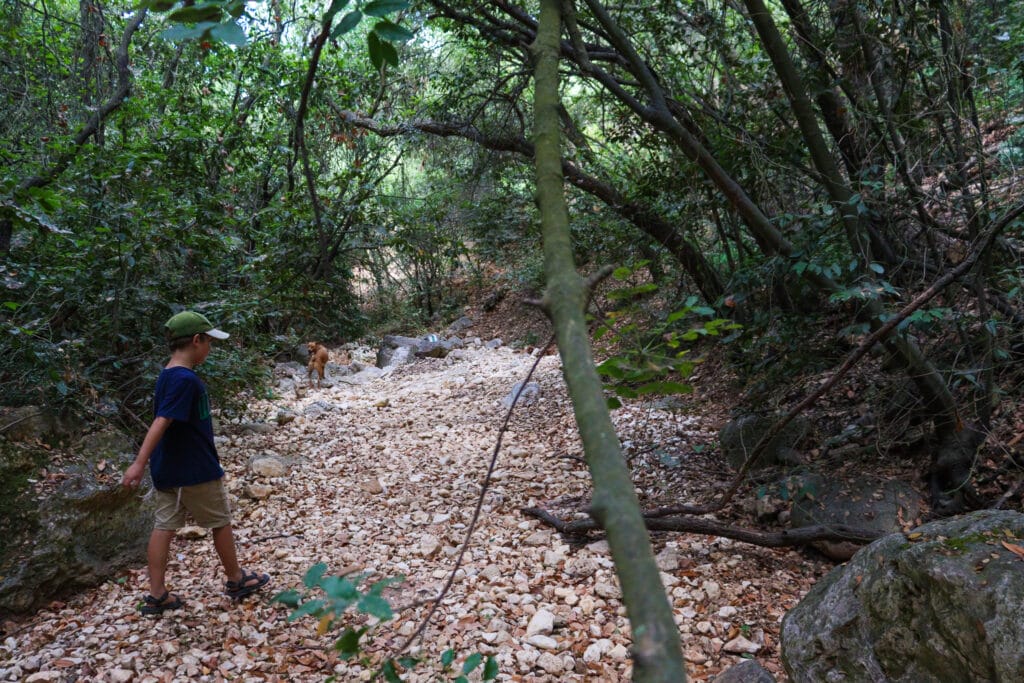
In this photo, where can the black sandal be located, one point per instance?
(241, 588)
(154, 605)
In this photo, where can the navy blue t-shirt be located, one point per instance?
(186, 454)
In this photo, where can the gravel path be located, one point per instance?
(382, 477)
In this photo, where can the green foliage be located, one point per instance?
(218, 21)
(341, 595)
(654, 357)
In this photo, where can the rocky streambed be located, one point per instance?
(378, 472)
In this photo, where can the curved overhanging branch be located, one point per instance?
(643, 217)
(113, 103)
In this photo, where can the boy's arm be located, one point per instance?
(133, 475)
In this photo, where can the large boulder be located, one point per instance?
(396, 350)
(70, 525)
(739, 436)
(942, 603)
(882, 506)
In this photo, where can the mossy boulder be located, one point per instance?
(941, 603)
(65, 520)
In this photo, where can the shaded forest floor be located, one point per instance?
(383, 478)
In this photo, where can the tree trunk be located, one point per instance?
(656, 648)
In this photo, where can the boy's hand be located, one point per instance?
(133, 475)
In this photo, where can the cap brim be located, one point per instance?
(217, 334)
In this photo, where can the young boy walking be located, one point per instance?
(183, 462)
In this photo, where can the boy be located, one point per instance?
(184, 465)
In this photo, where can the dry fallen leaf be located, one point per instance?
(1014, 548)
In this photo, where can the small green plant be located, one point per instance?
(340, 594)
(654, 360)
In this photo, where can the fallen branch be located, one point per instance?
(696, 525)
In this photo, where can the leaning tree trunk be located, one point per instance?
(656, 650)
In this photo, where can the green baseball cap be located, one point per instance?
(189, 323)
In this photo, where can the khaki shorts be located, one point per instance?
(207, 503)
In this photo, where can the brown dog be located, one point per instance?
(318, 357)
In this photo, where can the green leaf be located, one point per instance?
(230, 33)
(490, 669)
(613, 403)
(626, 392)
(336, 6)
(197, 13)
(376, 606)
(472, 662)
(313, 575)
(390, 673)
(348, 644)
(380, 8)
(347, 23)
(182, 32)
(45, 198)
(877, 267)
(376, 50)
(391, 31)
(447, 657)
(311, 607)
(289, 597)
(339, 589)
(160, 5)
(610, 368)
(664, 388)
(390, 52)
(677, 315)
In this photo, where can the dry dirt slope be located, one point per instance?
(383, 476)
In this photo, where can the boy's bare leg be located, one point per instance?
(224, 544)
(156, 557)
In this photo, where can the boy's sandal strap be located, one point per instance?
(159, 605)
(152, 600)
(243, 587)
